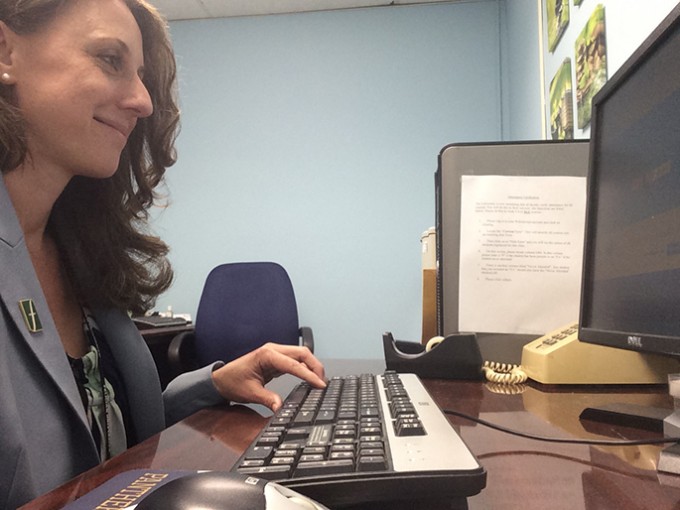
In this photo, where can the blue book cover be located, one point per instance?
(125, 489)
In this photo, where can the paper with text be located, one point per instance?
(521, 242)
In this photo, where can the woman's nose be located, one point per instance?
(139, 99)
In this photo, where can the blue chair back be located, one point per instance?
(243, 306)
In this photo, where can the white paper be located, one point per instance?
(521, 253)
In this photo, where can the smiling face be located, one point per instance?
(78, 86)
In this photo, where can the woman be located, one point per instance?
(87, 125)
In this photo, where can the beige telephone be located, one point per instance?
(560, 358)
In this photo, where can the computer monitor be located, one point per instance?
(631, 273)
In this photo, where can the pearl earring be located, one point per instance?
(5, 77)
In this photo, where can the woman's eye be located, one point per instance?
(113, 61)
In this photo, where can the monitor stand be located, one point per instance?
(669, 459)
(628, 415)
(648, 418)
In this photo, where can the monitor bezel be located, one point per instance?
(631, 340)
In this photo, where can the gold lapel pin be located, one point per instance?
(27, 307)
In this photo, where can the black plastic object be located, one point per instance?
(627, 415)
(456, 357)
(208, 490)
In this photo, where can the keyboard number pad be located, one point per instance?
(404, 415)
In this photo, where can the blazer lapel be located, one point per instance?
(137, 367)
(19, 283)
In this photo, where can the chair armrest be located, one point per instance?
(182, 353)
(307, 337)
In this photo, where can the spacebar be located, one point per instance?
(324, 467)
(267, 472)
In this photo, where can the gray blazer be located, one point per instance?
(44, 436)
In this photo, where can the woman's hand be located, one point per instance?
(243, 379)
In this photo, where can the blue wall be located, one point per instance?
(312, 139)
(520, 70)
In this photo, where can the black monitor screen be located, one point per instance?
(631, 277)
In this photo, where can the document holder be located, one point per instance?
(536, 158)
(456, 357)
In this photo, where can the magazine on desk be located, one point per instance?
(125, 490)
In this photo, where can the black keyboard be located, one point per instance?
(364, 439)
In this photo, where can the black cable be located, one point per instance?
(594, 442)
(568, 458)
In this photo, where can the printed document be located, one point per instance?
(521, 252)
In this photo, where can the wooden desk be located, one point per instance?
(522, 473)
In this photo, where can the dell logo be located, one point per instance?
(635, 341)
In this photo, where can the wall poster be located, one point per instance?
(580, 50)
(591, 64)
(561, 104)
(558, 19)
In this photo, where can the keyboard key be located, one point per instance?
(372, 463)
(282, 461)
(410, 429)
(281, 420)
(348, 414)
(267, 440)
(268, 472)
(370, 411)
(345, 433)
(370, 431)
(292, 445)
(325, 416)
(368, 439)
(304, 418)
(325, 467)
(297, 396)
(308, 450)
(286, 453)
(253, 463)
(372, 452)
(342, 455)
(312, 457)
(343, 448)
(320, 435)
(343, 440)
(297, 433)
(259, 452)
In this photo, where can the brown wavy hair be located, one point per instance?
(101, 225)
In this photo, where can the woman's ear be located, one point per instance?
(6, 52)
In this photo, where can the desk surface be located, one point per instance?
(521, 473)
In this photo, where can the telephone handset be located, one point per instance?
(559, 357)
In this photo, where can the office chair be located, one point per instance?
(243, 306)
